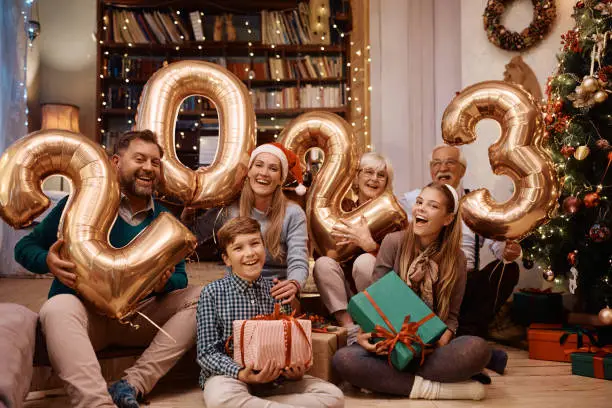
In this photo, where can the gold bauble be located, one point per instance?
(581, 152)
(605, 316)
(580, 90)
(548, 275)
(590, 84)
(600, 96)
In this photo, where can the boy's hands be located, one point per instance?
(163, 279)
(295, 372)
(268, 373)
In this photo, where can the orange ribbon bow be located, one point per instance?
(407, 335)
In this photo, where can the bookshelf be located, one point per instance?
(290, 68)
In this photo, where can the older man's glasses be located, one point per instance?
(373, 174)
(436, 164)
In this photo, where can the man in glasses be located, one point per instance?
(489, 288)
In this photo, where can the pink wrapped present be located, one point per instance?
(277, 337)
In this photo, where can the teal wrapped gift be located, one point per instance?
(593, 362)
(397, 316)
(537, 306)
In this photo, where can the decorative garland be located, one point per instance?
(544, 13)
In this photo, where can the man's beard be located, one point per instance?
(130, 186)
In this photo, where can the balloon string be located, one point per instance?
(158, 328)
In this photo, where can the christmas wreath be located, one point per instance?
(544, 12)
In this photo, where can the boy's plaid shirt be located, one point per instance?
(222, 302)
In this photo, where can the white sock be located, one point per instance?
(433, 390)
(351, 335)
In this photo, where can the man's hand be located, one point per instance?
(358, 235)
(268, 373)
(61, 269)
(512, 251)
(287, 290)
(295, 372)
(163, 279)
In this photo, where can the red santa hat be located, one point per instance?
(289, 163)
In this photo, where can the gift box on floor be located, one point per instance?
(276, 337)
(550, 341)
(537, 306)
(399, 316)
(593, 362)
(325, 343)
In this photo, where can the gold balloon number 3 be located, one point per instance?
(518, 154)
(112, 279)
(334, 136)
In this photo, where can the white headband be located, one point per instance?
(455, 198)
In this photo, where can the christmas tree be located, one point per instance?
(577, 243)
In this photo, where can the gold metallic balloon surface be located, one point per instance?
(112, 279)
(518, 154)
(160, 101)
(335, 137)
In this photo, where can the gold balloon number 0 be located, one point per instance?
(518, 154)
(334, 136)
(112, 279)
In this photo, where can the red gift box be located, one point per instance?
(550, 341)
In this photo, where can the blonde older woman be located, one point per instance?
(338, 282)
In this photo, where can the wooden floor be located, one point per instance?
(527, 383)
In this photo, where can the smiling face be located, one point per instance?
(371, 183)
(139, 168)
(246, 256)
(430, 213)
(445, 166)
(265, 174)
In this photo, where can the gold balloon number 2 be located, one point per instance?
(334, 136)
(112, 279)
(518, 154)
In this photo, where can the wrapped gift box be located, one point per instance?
(396, 301)
(550, 341)
(534, 306)
(596, 365)
(324, 346)
(284, 341)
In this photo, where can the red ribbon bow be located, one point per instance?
(407, 335)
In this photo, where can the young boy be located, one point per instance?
(240, 295)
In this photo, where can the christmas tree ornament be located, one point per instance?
(592, 200)
(600, 96)
(581, 152)
(558, 105)
(602, 144)
(605, 316)
(567, 151)
(548, 275)
(571, 257)
(599, 233)
(590, 84)
(579, 90)
(571, 205)
(549, 119)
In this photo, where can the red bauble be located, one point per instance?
(558, 106)
(599, 233)
(591, 200)
(568, 151)
(602, 144)
(571, 205)
(549, 119)
(571, 258)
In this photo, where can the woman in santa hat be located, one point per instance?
(283, 223)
